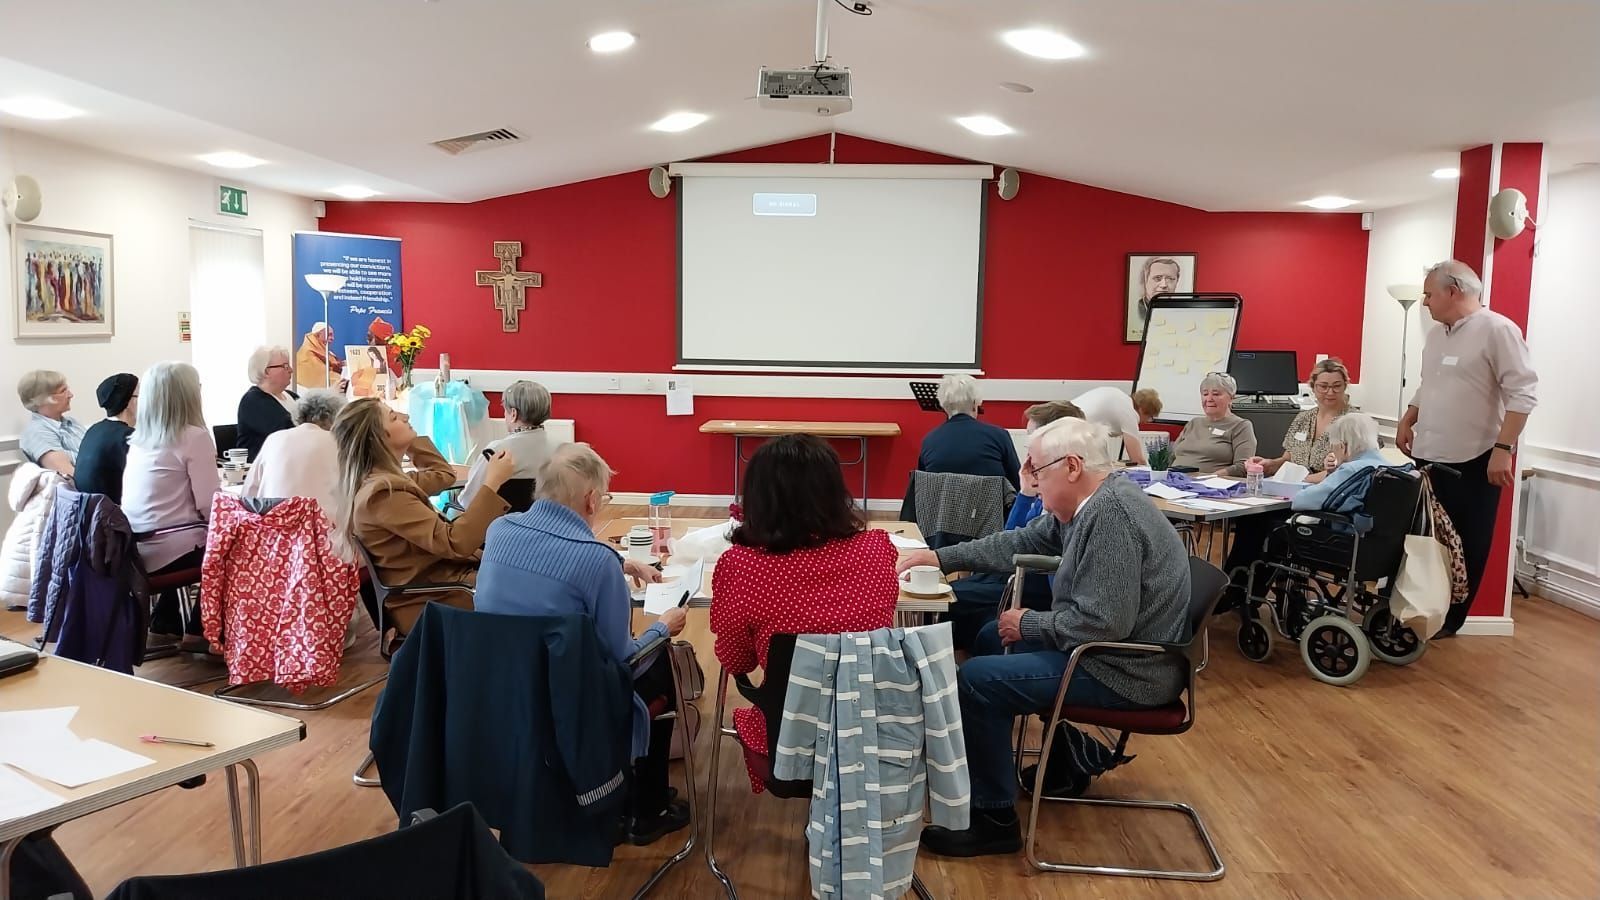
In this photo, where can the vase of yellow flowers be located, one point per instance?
(409, 343)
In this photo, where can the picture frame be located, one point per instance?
(1150, 273)
(63, 283)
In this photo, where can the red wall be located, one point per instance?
(1054, 267)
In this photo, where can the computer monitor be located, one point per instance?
(1266, 372)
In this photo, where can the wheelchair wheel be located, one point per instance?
(1335, 650)
(1392, 642)
(1255, 638)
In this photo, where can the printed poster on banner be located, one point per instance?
(366, 311)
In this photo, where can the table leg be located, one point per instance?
(738, 457)
(253, 780)
(863, 456)
(6, 849)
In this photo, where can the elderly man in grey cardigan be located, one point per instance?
(1124, 576)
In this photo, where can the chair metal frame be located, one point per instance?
(678, 714)
(1216, 582)
(718, 733)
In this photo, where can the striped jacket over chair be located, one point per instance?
(873, 720)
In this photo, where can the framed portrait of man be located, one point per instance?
(1150, 274)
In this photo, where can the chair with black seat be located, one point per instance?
(767, 697)
(186, 582)
(1206, 585)
(516, 492)
(226, 436)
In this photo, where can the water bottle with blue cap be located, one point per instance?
(661, 522)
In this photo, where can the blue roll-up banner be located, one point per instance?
(365, 311)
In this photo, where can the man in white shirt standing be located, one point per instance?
(1478, 387)
(1122, 415)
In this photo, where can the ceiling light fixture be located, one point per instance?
(38, 108)
(985, 125)
(231, 159)
(1043, 43)
(611, 41)
(1328, 201)
(679, 121)
(353, 192)
(1446, 173)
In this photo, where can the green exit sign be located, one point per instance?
(232, 201)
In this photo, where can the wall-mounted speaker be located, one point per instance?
(1008, 183)
(660, 182)
(1508, 213)
(319, 209)
(21, 199)
(1366, 221)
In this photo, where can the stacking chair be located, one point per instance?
(185, 581)
(1206, 585)
(767, 697)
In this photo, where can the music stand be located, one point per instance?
(927, 394)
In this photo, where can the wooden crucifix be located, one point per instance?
(510, 286)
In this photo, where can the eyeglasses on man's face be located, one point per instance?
(1028, 467)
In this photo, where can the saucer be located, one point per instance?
(945, 590)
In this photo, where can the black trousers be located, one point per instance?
(1472, 504)
(649, 795)
(164, 619)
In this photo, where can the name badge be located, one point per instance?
(1450, 360)
(1218, 432)
(1299, 435)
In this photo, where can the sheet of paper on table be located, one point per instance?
(1291, 473)
(1218, 482)
(41, 741)
(1204, 505)
(1166, 492)
(1255, 501)
(660, 597)
(20, 797)
(901, 542)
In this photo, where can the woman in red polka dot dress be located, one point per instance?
(802, 562)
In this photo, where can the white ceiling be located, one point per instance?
(1219, 104)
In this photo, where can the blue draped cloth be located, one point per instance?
(1183, 482)
(448, 416)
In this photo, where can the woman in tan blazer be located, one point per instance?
(387, 511)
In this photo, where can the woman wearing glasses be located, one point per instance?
(269, 405)
(1218, 441)
(1306, 442)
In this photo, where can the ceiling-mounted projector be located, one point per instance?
(817, 90)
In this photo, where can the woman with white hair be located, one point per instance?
(527, 407)
(170, 478)
(963, 445)
(1353, 443)
(1218, 441)
(51, 438)
(301, 461)
(269, 405)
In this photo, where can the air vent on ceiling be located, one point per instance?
(483, 140)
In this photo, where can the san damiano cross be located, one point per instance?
(510, 286)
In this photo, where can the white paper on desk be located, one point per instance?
(27, 727)
(1204, 505)
(1255, 501)
(680, 397)
(706, 543)
(1291, 473)
(74, 763)
(20, 797)
(660, 597)
(901, 542)
(1166, 492)
(1218, 482)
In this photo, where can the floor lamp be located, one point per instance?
(326, 285)
(1406, 295)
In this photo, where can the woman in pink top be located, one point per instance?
(802, 562)
(169, 480)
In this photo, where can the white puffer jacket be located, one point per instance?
(32, 494)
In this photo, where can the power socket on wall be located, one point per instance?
(613, 383)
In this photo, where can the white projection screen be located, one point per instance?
(786, 267)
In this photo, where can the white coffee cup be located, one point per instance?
(922, 579)
(236, 455)
(233, 473)
(640, 539)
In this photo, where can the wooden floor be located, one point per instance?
(1472, 773)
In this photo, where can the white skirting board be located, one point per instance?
(1494, 626)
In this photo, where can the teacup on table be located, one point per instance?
(236, 455)
(923, 580)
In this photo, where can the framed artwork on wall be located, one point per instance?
(63, 283)
(1150, 274)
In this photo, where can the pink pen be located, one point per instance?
(158, 739)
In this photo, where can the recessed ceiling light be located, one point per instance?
(1446, 173)
(353, 192)
(986, 125)
(679, 121)
(1328, 201)
(231, 159)
(1016, 87)
(611, 41)
(38, 108)
(1043, 43)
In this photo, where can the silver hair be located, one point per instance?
(1089, 441)
(256, 368)
(1220, 381)
(34, 388)
(1358, 432)
(958, 394)
(530, 400)
(319, 408)
(1457, 274)
(169, 402)
(572, 471)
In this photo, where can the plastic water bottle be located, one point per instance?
(661, 522)
(1253, 473)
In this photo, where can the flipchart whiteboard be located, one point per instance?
(1188, 336)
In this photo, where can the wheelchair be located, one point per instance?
(1312, 587)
